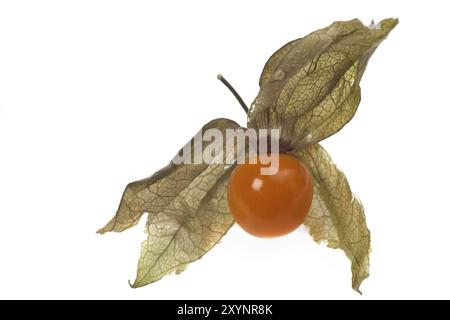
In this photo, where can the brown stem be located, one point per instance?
(234, 92)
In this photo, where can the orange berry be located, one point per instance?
(270, 205)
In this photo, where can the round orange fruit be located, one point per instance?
(270, 205)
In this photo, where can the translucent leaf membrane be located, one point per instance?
(188, 211)
(310, 87)
(336, 215)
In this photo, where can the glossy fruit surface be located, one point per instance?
(270, 205)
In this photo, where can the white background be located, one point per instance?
(96, 94)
